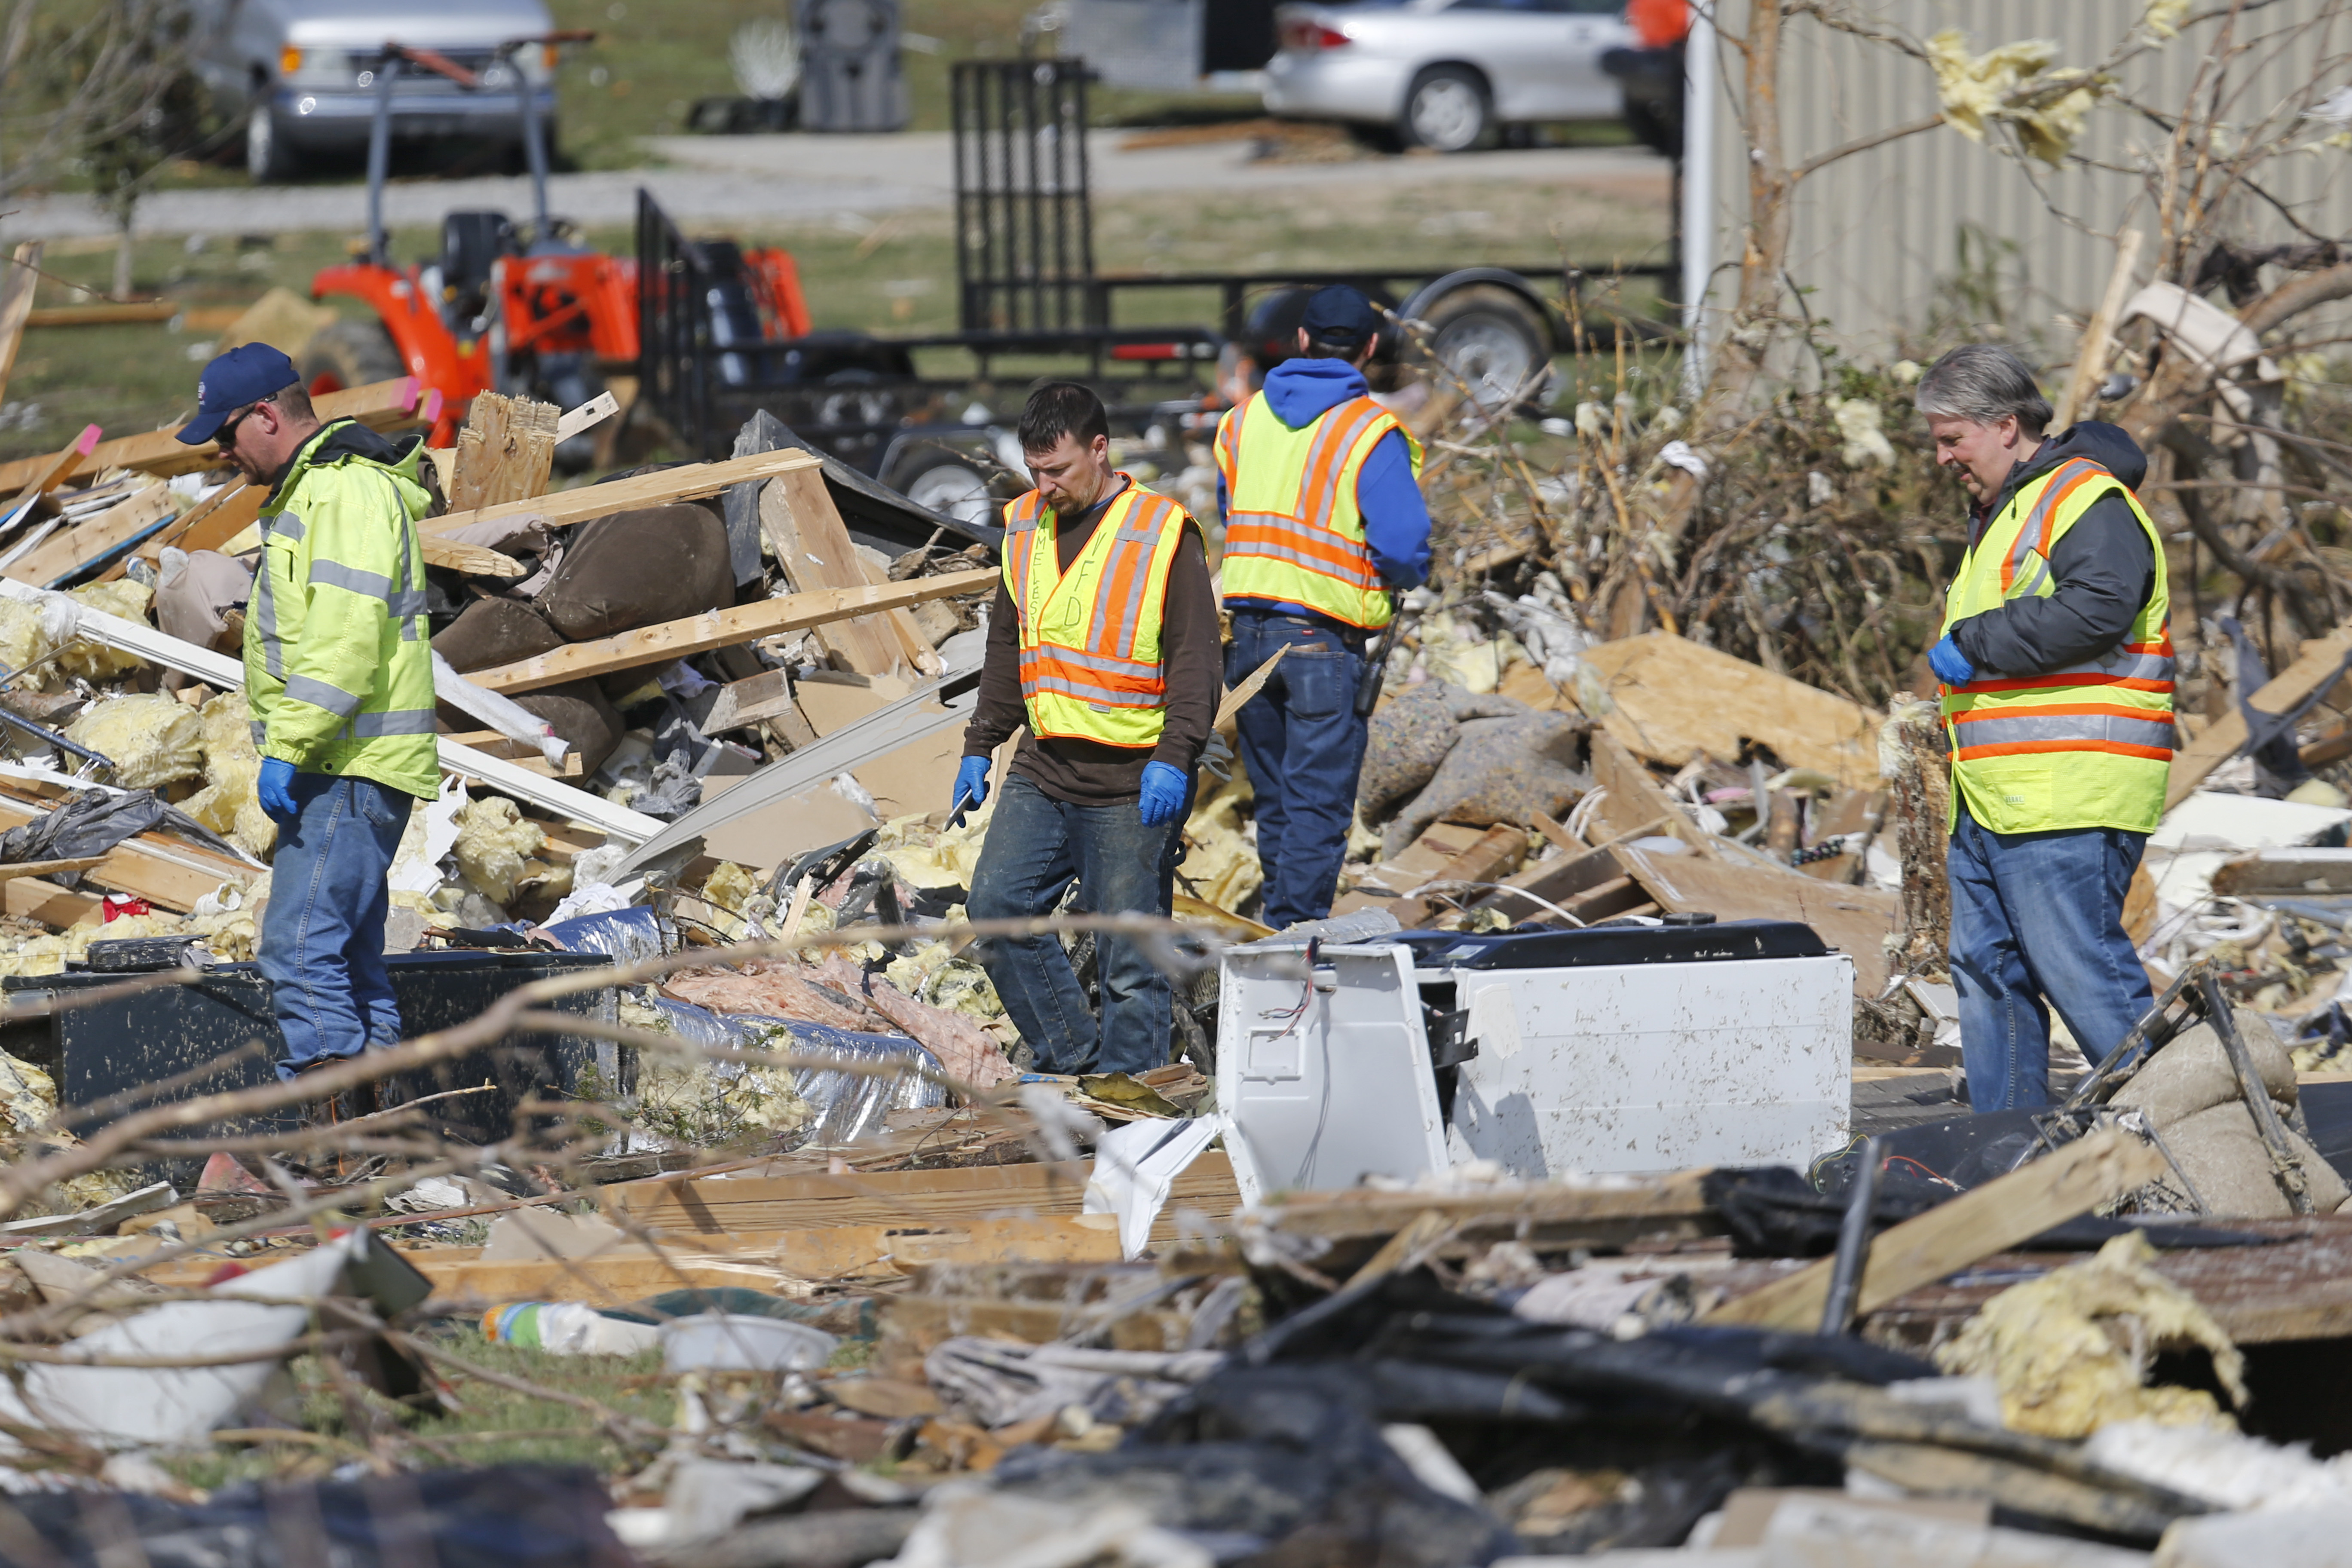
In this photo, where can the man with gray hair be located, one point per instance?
(2056, 670)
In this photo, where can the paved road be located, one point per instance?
(750, 180)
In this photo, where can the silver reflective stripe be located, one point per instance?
(260, 732)
(264, 615)
(1093, 694)
(2016, 728)
(1299, 558)
(2060, 476)
(1139, 528)
(320, 694)
(284, 524)
(399, 722)
(2124, 666)
(352, 579)
(2032, 583)
(1103, 662)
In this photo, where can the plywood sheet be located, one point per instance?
(1675, 698)
(1854, 921)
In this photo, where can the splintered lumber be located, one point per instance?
(505, 453)
(721, 628)
(587, 417)
(1673, 699)
(167, 872)
(812, 546)
(690, 481)
(46, 474)
(224, 673)
(2226, 736)
(17, 282)
(1855, 921)
(934, 1198)
(1960, 1231)
(234, 505)
(382, 404)
(472, 559)
(1493, 856)
(1633, 796)
(76, 549)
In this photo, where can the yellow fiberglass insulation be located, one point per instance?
(124, 600)
(925, 856)
(152, 741)
(230, 802)
(730, 885)
(1221, 866)
(493, 842)
(2071, 1349)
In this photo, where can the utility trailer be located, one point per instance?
(1032, 302)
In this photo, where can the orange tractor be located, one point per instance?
(500, 311)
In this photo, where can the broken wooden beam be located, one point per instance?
(43, 475)
(161, 452)
(75, 550)
(1995, 1217)
(17, 281)
(720, 629)
(169, 873)
(814, 548)
(691, 482)
(2226, 736)
(505, 453)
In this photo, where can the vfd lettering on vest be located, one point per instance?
(2089, 745)
(1090, 638)
(1294, 534)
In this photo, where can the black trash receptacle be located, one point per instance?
(110, 1047)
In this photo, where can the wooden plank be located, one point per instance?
(28, 899)
(233, 499)
(505, 453)
(719, 628)
(50, 868)
(812, 546)
(1634, 797)
(469, 558)
(168, 873)
(111, 314)
(47, 473)
(1493, 856)
(953, 1197)
(2286, 872)
(71, 551)
(1673, 697)
(1855, 921)
(1992, 1218)
(163, 453)
(587, 417)
(17, 283)
(2222, 740)
(689, 482)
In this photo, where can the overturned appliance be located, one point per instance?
(1345, 1051)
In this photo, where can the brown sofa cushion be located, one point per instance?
(638, 568)
(491, 632)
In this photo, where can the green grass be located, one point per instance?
(896, 274)
(481, 1433)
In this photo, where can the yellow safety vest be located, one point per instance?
(1090, 656)
(1293, 532)
(338, 665)
(2087, 746)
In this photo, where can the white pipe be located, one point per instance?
(500, 712)
(1699, 188)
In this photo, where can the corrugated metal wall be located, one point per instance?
(1877, 236)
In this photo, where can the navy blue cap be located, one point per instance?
(247, 374)
(1341, 315)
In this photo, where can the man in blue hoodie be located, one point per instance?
(2056, 667)
(1324, 526)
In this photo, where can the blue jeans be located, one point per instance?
(1304, 747)
(1036, 846)
(2037, 922)
(322, 933)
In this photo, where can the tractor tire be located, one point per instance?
(344, 354)
(1492, 341)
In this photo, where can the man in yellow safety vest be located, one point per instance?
(1103, 641)
(1324, 519)
(339, 682)
(2056, 664)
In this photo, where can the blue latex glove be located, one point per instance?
(276, 789)
(1163, 793)
(972, 784)
(1951, 665)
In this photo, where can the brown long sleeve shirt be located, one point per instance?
(1089, 773)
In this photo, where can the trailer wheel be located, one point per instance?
(944, 480)
(344, 354)
(1491, 339)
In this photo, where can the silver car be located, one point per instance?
(1447, 74)
(302, 73)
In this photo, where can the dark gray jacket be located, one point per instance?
(2104, 567)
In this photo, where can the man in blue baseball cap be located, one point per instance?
(339, 679)
(1324, 524)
